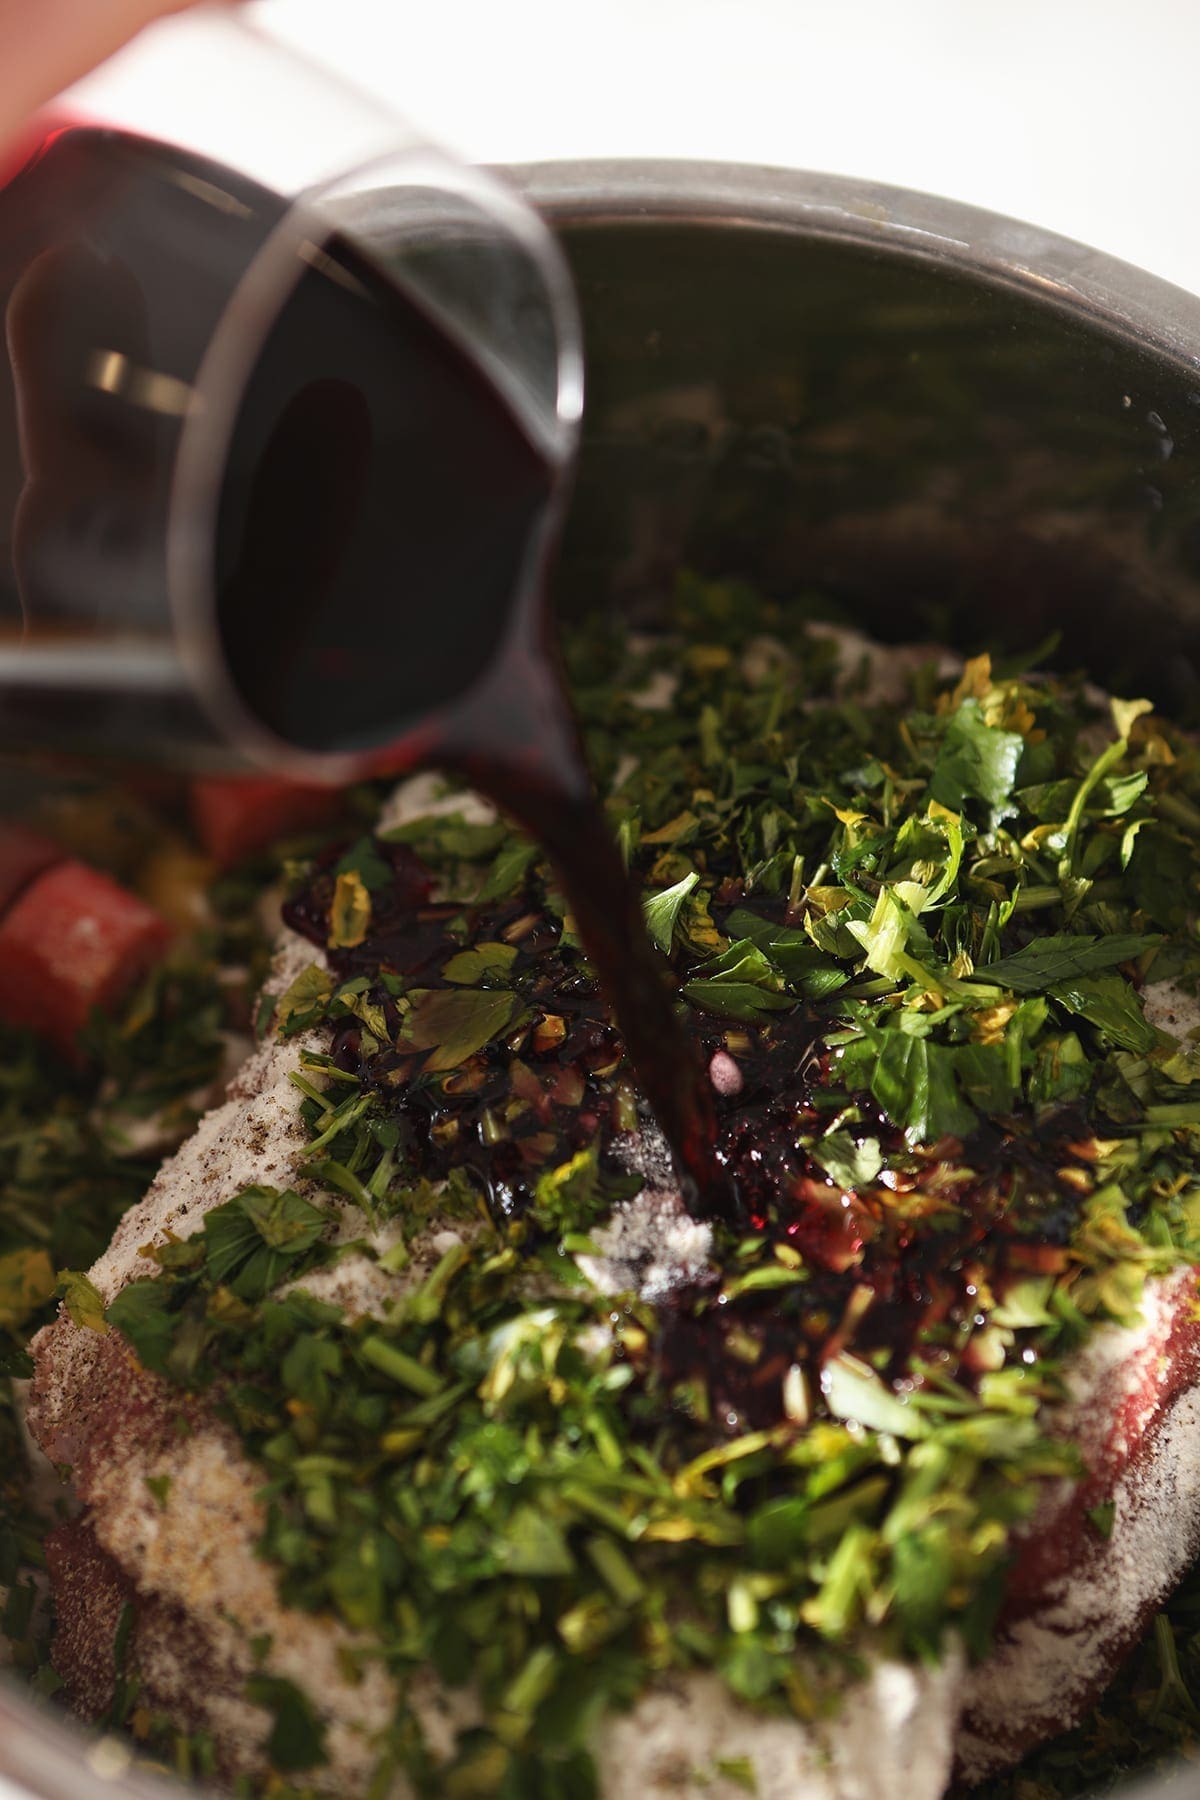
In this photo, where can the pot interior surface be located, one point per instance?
(895, 443)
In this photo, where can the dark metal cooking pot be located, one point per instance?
(947, 424)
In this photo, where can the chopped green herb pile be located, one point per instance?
(913, 942)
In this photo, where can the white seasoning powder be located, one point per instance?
(890, 1736)
(255, 1136)
(649, 1246)
(1171, 1008)
(432, 796)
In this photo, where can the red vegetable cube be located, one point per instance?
(72, 941)
(23, 854)
(236, 815)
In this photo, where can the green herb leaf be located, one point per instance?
(350, 911)
(27, 1281)
(886, 935)
(922, 1571)
(1161, 870)
(160, 1487)
(297, 1739)
(363, 859)
(507, 872)
(532, 1544)
(736, 1000)
(253, 1239)
(141, 1311)
(851, 1165)
(573, 1196)
(1109, 1002)
(739, 1770)
(739, 983)
(1126, 713)
(1062, 1073)
(740, 962)
(1025, 1304)
(84, 1305)
(1060, 956)
(765, 1276)
(480, 962)
(854, 1391)
(454, 1023)
(985, 1074)
(1102, 1517)
(976, 761)
(913, 1081)
(662, 910)
(303, 1003)
(791, 952)
(449, 836)
(1110, 797)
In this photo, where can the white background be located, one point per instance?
(1078, 115)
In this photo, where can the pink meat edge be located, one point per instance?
(1079, 1601)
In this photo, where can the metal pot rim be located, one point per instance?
(1120, 300)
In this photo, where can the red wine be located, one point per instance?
(379, 506)
(385, 529)
(384, 525)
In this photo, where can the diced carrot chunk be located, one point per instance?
(72, 941)
(238, 814)
(23, 855)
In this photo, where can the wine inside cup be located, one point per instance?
(293, 419)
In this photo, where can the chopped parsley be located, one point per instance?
(919, 937)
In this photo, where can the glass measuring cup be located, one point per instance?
(291, 427)
(288, 400)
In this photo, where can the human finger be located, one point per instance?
(44, 48)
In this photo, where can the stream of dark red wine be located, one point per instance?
(401, 450)
(548, 792)
(384, 524)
